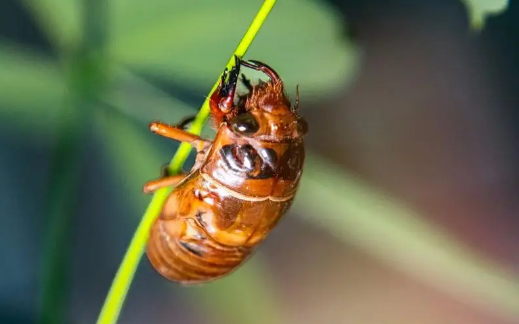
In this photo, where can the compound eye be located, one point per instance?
(245, 124)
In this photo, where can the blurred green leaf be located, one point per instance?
(86, 79)
(59, 19)
(358, 214)
(134, 97)
(33, 88)
(136, 160)
(174, 38)
(128, 152)
(480, 10)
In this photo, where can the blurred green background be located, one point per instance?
(408, 211)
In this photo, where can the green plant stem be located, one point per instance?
(119, 289)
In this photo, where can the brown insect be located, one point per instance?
(240, 186)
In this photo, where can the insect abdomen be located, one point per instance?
(195, 260)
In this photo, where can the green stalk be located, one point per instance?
(117, 294)
(86, 80)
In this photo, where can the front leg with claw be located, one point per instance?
(222, 99)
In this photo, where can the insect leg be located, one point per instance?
(262, 67)
(222, 98)
(178, 134)
(164, 171)
(186, 121)
(154, 185)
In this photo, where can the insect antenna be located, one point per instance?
(296, 104)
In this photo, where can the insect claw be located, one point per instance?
(237, 60)
(164, 171)
(262, 67)
(222, 86)
(233, 77)
(257, 63)
(186, 121)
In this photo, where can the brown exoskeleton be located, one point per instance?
(241, 185)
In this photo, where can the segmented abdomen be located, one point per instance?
(192, 258)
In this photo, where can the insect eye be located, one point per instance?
(245, 124)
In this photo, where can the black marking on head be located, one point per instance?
(244, 160)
